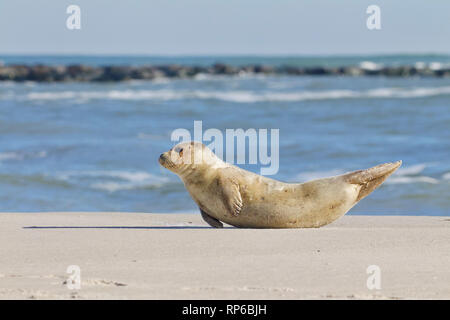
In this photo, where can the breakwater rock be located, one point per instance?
(86, 73)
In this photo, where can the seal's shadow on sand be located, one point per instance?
(125, 227)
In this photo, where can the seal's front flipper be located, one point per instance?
(231, 196)
(213, 222)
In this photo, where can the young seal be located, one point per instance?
(226, 193)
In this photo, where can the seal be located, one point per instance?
(229, 194)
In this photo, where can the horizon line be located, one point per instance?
(280, 55)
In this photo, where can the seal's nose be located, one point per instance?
(162, 157)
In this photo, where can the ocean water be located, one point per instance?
(95, 147)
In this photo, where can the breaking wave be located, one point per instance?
(22, 155)
(411, 174)
(113, 181)
(239, 96)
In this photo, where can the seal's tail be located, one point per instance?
(371, 178)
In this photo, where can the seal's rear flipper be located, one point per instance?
(370, 179)
(213, 222)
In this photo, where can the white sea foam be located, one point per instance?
(204, 77)
(241, 96)
(10, 156)
(411, 170)
(408, 179)
(369, 65)
(55, 95)
(114, 186)
(115, 180)
(432, 65)
(125, 175)
(420, 65)
(411, 174)
(436, 66)
(21, 155)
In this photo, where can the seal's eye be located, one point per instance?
(180, 152)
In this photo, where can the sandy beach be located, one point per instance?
(177, 256)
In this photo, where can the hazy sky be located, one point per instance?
(224, 27)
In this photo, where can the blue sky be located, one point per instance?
(210, 27)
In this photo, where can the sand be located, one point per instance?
(176, 256)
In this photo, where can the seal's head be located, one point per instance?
(188, 157)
